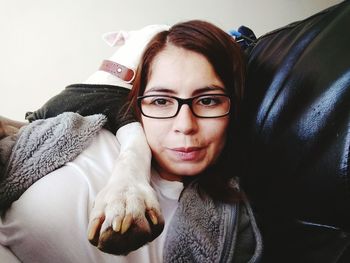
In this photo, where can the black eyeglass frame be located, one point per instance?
(181, 102)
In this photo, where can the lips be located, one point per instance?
(187, 153)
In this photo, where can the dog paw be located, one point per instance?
(124, 217)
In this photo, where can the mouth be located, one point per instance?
(187, 153)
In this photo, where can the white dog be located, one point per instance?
(127, 202)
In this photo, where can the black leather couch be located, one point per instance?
(295, 138)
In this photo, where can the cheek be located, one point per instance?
(147, 127)
(217, 137)
(153, 132)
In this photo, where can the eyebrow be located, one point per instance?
(196, 92)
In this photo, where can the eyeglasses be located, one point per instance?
(203, 106)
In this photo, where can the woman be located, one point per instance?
(186, 94)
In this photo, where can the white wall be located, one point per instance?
(47, 44)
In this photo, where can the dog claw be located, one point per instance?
(152, 215)
(117, 223)
(126, 223)
(94, 228)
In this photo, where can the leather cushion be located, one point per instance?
(296, 123)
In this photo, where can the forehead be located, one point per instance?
(181, 71)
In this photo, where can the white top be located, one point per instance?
(49, 222)
(168, 193)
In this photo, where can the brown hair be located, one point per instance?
(226, 58)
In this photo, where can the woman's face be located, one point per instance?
(184, 145)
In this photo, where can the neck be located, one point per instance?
(167, 175)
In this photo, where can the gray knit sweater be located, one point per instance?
(206, 231)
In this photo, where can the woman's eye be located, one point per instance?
(161, 102)
(209, 101)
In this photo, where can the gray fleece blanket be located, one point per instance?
(41, 147)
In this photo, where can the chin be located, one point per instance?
(188, 170)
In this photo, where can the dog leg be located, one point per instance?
(126, 214)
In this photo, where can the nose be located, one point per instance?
(185, 122)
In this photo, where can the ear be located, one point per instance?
(115, 38)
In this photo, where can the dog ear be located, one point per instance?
(116, 38)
